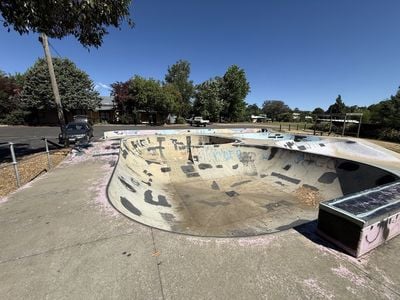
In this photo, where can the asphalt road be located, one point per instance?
(28, 140)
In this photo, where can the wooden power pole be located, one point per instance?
(60, 112)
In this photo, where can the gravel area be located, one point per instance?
(29, 168)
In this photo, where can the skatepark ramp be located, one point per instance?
(213, 186)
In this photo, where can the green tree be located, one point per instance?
(86, 20)
(145, 92)
(318, 111)
(338, 107)
(170, 99)
(207, 100)
(252, 110)
(387, 112)
(234, 91)
(178, 75)
(76, 88)
(276, 109)
(150, 95)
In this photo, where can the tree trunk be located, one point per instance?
(54, 86)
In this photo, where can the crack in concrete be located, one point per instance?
(66, 247)
(157, 262)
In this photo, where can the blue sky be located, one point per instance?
(302, 52)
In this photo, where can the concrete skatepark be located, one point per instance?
(62, 239)
(216, 186)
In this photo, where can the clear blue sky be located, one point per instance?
(302, 52)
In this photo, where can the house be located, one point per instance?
(105, 113)
(296, 116)
(259, 118)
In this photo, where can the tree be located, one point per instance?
(338, 107)
(151, 96)
(207, 100)
(387, 112)
(178, 75)
(170, 100)
(11, 111)
(234, 91)
(275, 109)
(86, 20)
(76, 88)
(124, 102)
(318, 111)
(252, 110)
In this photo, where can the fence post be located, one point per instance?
(15, 164)
(280, 127)
(48, 153)
(289, 126)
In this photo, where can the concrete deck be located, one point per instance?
(60, 239)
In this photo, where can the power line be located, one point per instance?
(54, 49)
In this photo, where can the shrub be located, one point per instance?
(16, 117)
(180, 120)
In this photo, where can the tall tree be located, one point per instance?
(87, 20)
(234, 91)
(274, 109)
(207, 101)
(178, 75)
(338, 107)
(76, 88)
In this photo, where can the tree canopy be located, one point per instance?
(86, 20)
(10, 106)
(178, 75)
(387, 112)
(235, 88)
(274, 109)
(76, 88)
(149, 95)
(338, 107)
(318, 111)
(207, 100)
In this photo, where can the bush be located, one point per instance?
(180, 120)
(389, 134)
(126, 119)
(16, 117)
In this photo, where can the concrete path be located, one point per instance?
(60, 239)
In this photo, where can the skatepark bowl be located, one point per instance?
(214, 186)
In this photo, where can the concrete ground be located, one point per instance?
(60, 239)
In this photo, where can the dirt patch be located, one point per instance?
(395, 147)
(29, 168)
(308, 197)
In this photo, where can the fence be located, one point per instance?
(21, 163)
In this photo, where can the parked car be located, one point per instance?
(198, 121)
(76, 132)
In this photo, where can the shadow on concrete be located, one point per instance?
(309, 230)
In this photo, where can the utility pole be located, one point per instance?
(60, 112)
